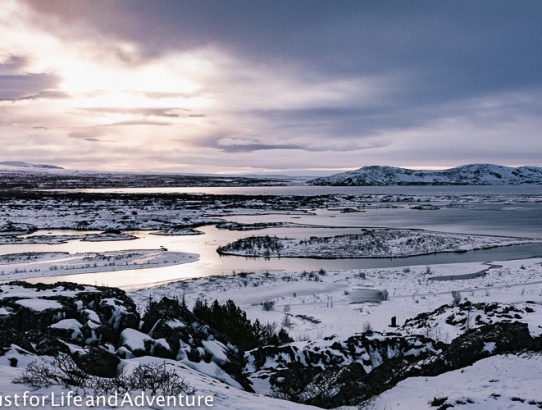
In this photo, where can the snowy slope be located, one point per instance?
(21, 166)
(474, 174)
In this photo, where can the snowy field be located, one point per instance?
(320, 304)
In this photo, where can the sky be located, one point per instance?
(281, 87)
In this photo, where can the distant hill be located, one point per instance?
(473, 174)
(21, 164)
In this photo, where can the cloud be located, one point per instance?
(28, 86)
(258, 85)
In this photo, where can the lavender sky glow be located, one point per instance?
(270, 86)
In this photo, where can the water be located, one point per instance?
(517, 219)
(444, 190)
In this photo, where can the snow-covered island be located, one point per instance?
(371, 243)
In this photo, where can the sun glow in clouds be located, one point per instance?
(135, 85)
(93, 76)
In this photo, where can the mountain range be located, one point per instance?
(473, 174)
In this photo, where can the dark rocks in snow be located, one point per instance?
(104, 323)
(97, 362)
(334, 372)
(476, 344)
(190, 338)
(74, 313)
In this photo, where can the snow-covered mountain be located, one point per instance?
(19, 165)
(473, 174)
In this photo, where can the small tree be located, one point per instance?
(268, 305)
(286, 322)
(384, 295)
(456, 297)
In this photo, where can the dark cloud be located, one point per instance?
(168, 112)
(444, 50)
(233, 148)
(453, 79)
(13, 65)
(28, 86)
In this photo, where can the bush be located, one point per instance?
(268, 305)
(286, 322)
(384, 295)
(437, 401)
(156, 377)
(64, 371)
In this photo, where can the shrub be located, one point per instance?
(286, 322)
(64, 371)
(437, 401)
(367, 327)
(456, 297)
(384, 295)
(268, 305)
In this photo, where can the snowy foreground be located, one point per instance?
(472, 343)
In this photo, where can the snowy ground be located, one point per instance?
(224, 396)
(320, 305)
(499, 382)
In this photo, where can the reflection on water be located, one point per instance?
(479, 219)
(451, 190)
(522, 220)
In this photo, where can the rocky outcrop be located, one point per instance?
(334, 372)
(179, 335)
(84, 315)
(104, 323)
(324, 372)
(98, 327)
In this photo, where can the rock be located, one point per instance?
(51, 347)
(74, 313)
(97, 362)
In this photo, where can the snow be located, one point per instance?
(510, 381)
(134, 339)
(175, 323)
(40, 264)
(216, 350)
(70, 324)
(224, 395)
(474, 174)
(39, 305)
(317, 304)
